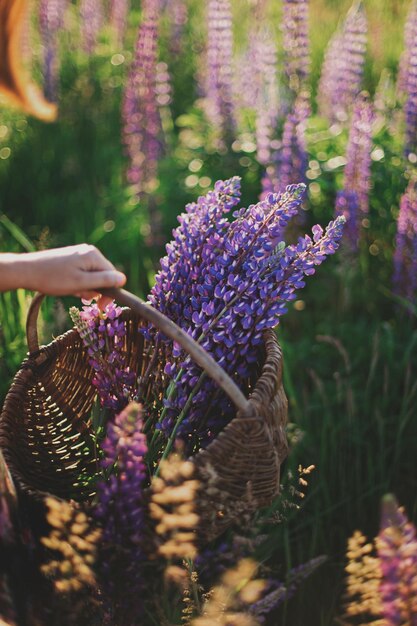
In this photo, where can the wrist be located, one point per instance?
(14, 271)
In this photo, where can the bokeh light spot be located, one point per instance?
(109, 226)
(191, 181)
(117, 59)
(204, 181)
(195, 165)
(299, 305)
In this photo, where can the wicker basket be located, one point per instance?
(45, 423)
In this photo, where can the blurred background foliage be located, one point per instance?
(349, 343)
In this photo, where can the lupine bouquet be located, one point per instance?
(227, 277)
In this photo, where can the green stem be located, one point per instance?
(180, 419)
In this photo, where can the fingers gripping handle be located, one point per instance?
(165, 325)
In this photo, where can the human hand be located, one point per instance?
(74, 270)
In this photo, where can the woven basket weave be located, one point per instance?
(45, 431)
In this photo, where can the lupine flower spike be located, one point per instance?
(91, 19)
(120, 512)
(405, 255)
(342, 70)
(178, 17)
(256, 87)
(407, 61)
(103, 335)
(397, 552)
(276, 593)
(141, 120)
(407, 80)
(296, 43)
(119, 10)
(218, 86)
(353, 200)
(290, 160)
(51, 17)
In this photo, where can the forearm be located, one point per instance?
(14, 271)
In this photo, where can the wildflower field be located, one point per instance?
(304, 111)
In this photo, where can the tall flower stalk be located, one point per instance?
(51, 21)
(342, 71)
(408, 57)
(290, 160)
(91, 20)
(296, 43)
(405, 255)
(353, 200)
(119, 10)
(120, 512)
(397, 552)
(256, 85)
(407, 80)
(141, 119)
(218, 73)
(178, 16)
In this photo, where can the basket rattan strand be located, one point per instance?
(45, 422)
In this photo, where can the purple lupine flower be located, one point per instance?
(120, 511)
(290, 161)
(163, 88)
(256, 88)
(103, 335)
(342, 70)
(407, 80)
(218, 88)
(397, 553)
(7, 502)
(91, 21)
(353, 200)
(178, 17)
(51, 21)
(240, 287)
(406, 59)
(266, 104)
(119, 10)
(276, 592)
(212, 561)
(347, 204)
(405, 255)
(141, 119)
(296, 42)
(203, 219)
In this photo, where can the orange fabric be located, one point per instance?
(16, 88)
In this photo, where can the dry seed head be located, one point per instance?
(362, 598)
(227, 603)
(72, 571)
(176, 575)
(172, 506)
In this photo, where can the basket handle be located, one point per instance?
(165, 325)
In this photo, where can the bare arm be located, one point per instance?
(75, 270)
